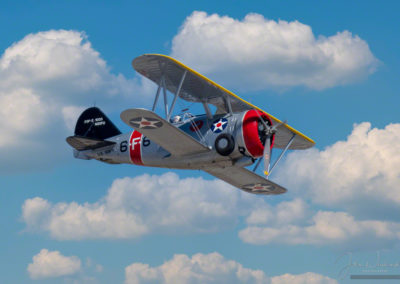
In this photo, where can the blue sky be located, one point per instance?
(330, 68)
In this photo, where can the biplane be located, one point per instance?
(231, 134)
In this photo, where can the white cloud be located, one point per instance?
(326, 228)
(209, 268)
(88, 221)
(44, 79)
(306, 278)
(22, 112)
(71, 115)
(59, 61)
(360, 174)
(145, 204)
(48, 264)
(34, 211)
(166, 204)
(283, 213)
(296, 223)
(257, 53)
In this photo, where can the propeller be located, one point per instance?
(268, 132)
(267, 154)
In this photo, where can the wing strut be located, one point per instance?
(258, 163)
(163, 85)
(177, 94)
(207, 109)
(157, 95)
(228, 104)
(282, 153)
(165, 98)
(279, 158)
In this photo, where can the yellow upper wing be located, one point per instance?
(198, 88)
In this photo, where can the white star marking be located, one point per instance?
(258, 187)
(219, 125)
(146, 123)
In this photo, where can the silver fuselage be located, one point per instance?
(134, 148)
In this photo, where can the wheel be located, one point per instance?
(224, 144)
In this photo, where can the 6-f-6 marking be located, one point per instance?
(135, 141)
(123, 147)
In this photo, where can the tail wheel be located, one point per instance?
(224, 144)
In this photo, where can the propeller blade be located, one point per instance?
(267, 154)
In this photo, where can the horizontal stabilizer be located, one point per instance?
(84, 143)
(162, 132)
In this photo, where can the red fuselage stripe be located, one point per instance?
(135, 148)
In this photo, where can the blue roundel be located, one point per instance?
(219, 125)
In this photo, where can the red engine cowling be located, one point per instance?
(252, 135)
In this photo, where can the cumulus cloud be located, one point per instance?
(209, 268)
(71, 115)
(134, 207)
(296, 223)
(285, 212)
(60, 61)
(141, 205)
(326, 228)
(360, 174)
(49, 264)
(74, 221)
(256, 53)
(45, 78)
(306, 278)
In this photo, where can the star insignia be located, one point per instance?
(219, 125)
(258, 187)
(145, 123)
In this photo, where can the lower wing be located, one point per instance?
(246, 180)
